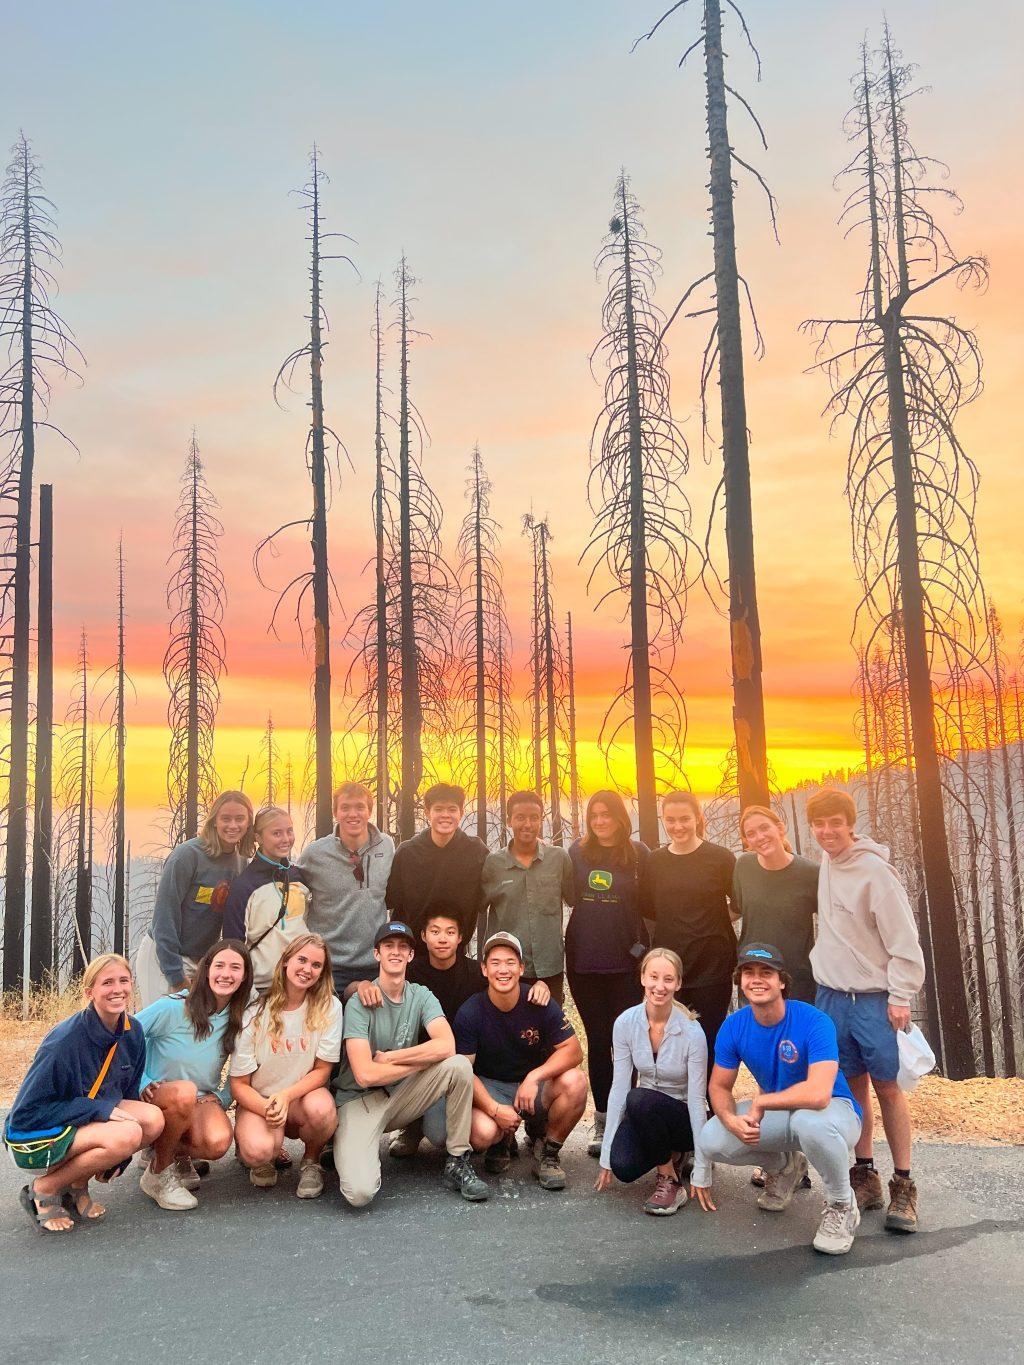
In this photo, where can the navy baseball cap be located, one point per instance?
(761, 955)
(394, 928)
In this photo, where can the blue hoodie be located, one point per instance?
(55, 1092)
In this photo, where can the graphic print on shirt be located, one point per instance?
(300, 1044)
(788, 1052)
(295, 907)
(530, 1036)
(599, 880)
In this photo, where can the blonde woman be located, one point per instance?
(78, 1114)
(188, 917)
(266, 906)
(653, 1124)
(776, 894)
(281, 1065)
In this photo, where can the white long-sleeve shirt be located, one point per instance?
(680, 1070)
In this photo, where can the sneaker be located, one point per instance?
(780, 1186)
(327, 1158)
(145, 1157)
(497, 1157)
(901, 1215)
(407, 1143)
(546, 1166)
(596, 1135)
(835, 1231)
(201, 1167)
(758, 1178)
(458, 1174)
(867, 1187)
(166, 1189)
(513, 1146)
(311, 1179)
(667, 1196)
(264, 1177)
(187, 1173)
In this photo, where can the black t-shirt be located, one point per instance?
(687, 896)
(454, 986)
(506, 1045)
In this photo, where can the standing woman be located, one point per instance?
(687, 894)
(266, 906)
(188, 916)
(78, 1113)
(605, 937)
(776, 895)
(189, 1037)
(282, 1063)
(653, 1124)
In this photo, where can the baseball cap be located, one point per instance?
(503, 940)
(761, 955)
(394, 928)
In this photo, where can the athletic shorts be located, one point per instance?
(867, 1041)
(504, 1092)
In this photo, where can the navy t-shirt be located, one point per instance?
(778, 1056)
(508, 1044)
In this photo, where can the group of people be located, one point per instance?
(332, 1001)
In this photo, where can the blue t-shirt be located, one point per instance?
(778, 1057)
(173, 1053)
(507, 1044)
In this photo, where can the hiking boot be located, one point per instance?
(166, 1190)
(311, 1179)
(264, 1176)
(901, 1215)
(406, 1143)
(758, 1179)
(867, 1187)
(835, 1231)
(187, 1173)
(780, 1186)
(327, 1158)
(596, 1135)
(497, 1157)
(667, 1196)
(458, 1174)
(546, 1166)
(513, 1146)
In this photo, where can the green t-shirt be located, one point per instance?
(387, 1028)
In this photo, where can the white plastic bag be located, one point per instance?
(916, 1057)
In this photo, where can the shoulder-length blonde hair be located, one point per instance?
(208, 835)
(769, 814)
(676, 963)
(318, 997)
(95, 969)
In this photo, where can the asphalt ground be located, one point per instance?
(530, 1277)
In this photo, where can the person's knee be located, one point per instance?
(360, 1191)
(178, 1098)
(640, 1103)
(572, 1085)
(151, 1121)
(123, 1137)
(321, 1111)
(483, 1132)
(886, 1090)
(217, 1144)
(457, 1071)
(256, 1149)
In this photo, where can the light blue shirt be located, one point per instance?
(173, 1053)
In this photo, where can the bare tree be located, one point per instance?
(901, 375)
(269, 775)
(80, 718)
(36, 344)
(641, 537)
(548, 667)
(195, 657)
(575, 805)
(724, 353)
(114, 707)
(41, 932)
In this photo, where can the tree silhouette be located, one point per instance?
(41, 931)
(269, 775)
(641, 537)
(113, 706)
(575, 802)
(548, 669)
(195, 657)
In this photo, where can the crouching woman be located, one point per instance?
(78, 1114)
(282, 1063)
(189, 1037)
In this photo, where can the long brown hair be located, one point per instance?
(201, 1003)
(208, 836)
(769, 814)
(318, 997)
(623, 849)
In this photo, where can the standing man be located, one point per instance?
(869, 966)
(804, 1111)
(525, 885)
(526, 1064)
(440, 867)
(347, 875)
(391, 1079)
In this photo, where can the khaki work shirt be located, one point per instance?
(527, 902)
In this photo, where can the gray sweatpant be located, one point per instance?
(825, 1136)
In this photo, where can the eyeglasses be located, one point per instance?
(356, 864)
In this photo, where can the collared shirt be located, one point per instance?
(527, 902)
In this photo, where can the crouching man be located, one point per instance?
(805, 1111)
(526, 1063)
(389, 1079)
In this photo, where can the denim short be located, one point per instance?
(504, 1092)
(867, 1041)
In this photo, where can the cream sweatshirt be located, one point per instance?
(867, 937)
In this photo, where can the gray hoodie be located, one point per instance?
(867, 937)
(346, 914)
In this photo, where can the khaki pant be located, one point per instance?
(150, 981)
(364, 1121)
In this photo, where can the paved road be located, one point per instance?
(530, 1277)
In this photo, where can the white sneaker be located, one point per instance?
(187, 1174)
(779, 1186)
(835, 1232)
(167, 1190)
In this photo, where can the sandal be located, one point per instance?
(44, 1209)
(75, 1197)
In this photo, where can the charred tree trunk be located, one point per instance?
(83, 870)
(382, 640)
(974, 894)
(412, 712)
(548, 648)
(999, 702)
(1000, 937)
(120, 904)
(574, 772)
(41, 934)
(480, 661)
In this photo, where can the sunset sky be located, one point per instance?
(484, 141)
